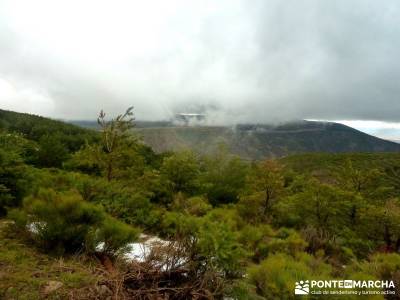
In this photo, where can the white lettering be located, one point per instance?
(348, 284)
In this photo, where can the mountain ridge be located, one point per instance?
(257, 141)
(249, 141)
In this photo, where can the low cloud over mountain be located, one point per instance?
(239, 61)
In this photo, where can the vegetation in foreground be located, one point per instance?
(247, 230)
(26, 273)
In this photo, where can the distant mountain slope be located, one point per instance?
(259, 141)
(250, 141)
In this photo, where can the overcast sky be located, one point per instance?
(237, 60)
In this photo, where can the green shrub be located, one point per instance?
(13, 173)
(255, 240)
(250, 208)
(64, 222)
(223, 176)
(262, 241)
(52, 151)
(242, 290)
(219, 245)
(214, 246)
(6, 199)
(197, 206)
(226, 214)
(275, 277)
(157, 185)
(20, 219)
(114, 237)
(61, 222)
(122, 202)
(180, 225)
(287, 241)
(382, 266)
(182, 169)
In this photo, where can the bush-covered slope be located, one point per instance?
(228, 227)
(36, 128)
(26, 273)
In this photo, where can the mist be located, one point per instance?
(236, 61)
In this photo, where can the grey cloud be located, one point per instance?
(257, 61)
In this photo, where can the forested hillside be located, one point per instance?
(266, 141)
(74, 200)
(259, 141)
(50, 141)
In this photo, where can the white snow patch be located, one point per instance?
(140, 250)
